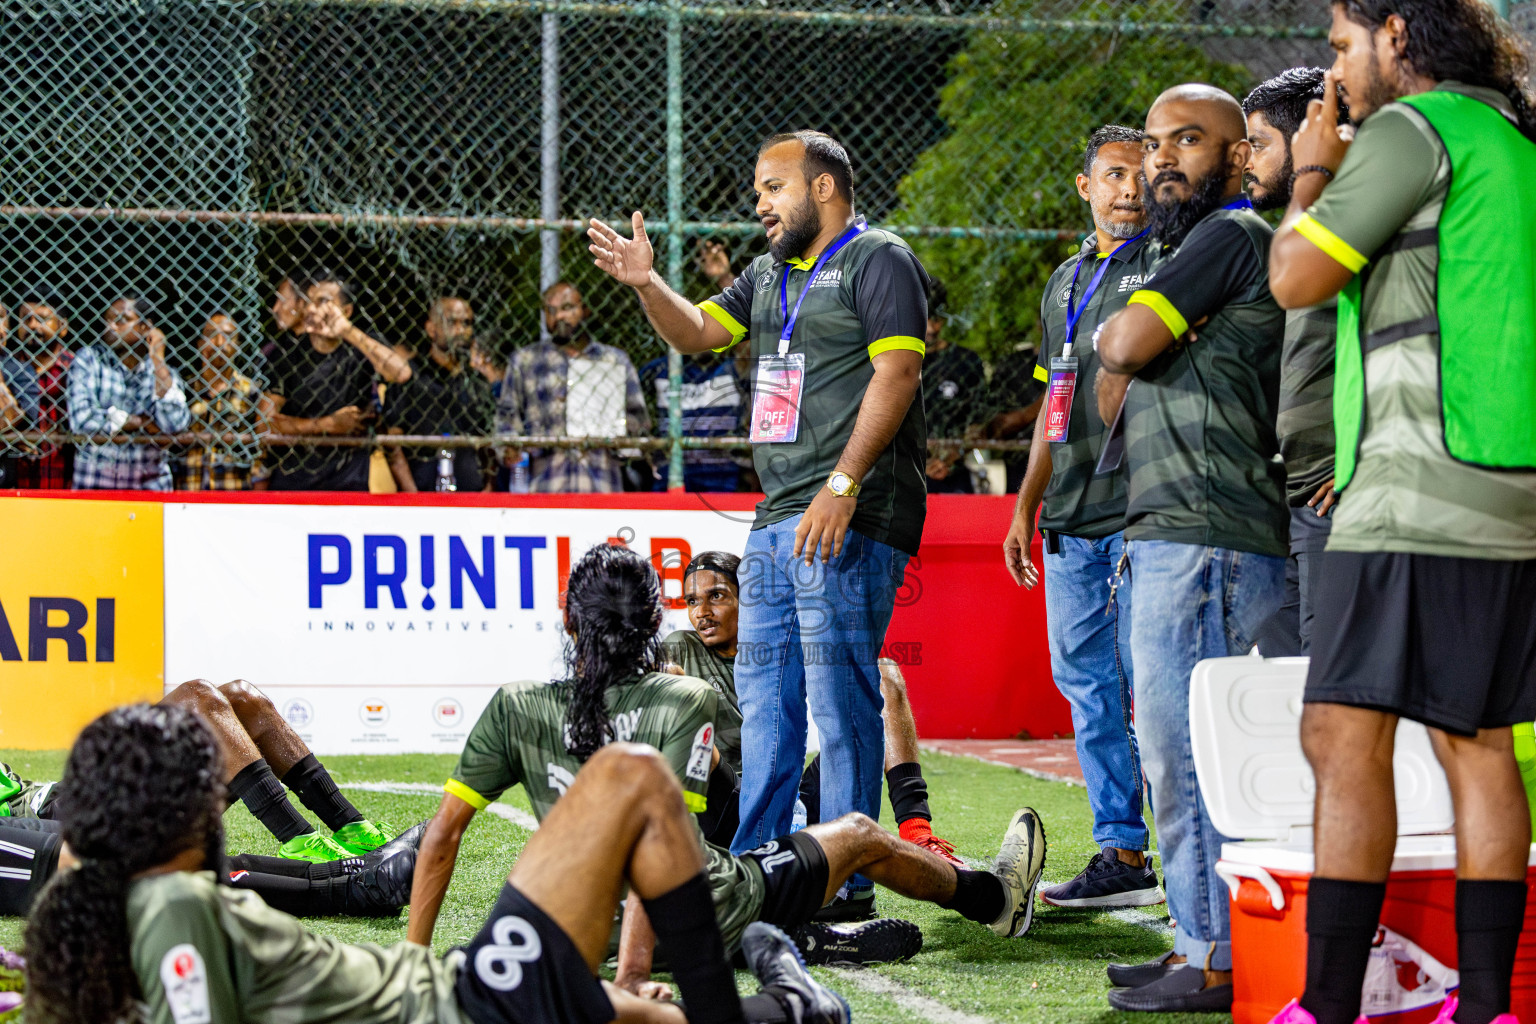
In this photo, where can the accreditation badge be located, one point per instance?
(1058, 400)
(776, 398)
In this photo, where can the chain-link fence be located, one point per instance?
(166, 166)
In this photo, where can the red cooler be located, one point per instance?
(1245, 716)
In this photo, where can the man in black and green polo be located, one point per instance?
(1425, 227)
(1083, 520)
(1206, 517)
(835, 313)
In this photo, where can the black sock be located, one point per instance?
(1341, 924)
(979, 895)
(766, 1007)
(259, 789)
(909, 792)
(684, 923)
(315, 788)
(810, 790)
(1489, 916)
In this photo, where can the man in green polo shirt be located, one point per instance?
(1425, 227)
(1205, 493)
(835, 313)
(1083, 520)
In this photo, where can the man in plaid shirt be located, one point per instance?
(40, 332)
(122, 385)
(534, 393)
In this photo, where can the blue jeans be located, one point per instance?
(1091, 661)
(1192, 603)
(811, 630)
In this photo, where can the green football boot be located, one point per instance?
(314, 848)
(363, 837)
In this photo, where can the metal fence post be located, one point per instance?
(549, 159)
(675, 234)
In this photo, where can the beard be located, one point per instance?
(1378, 93)
(1171, 221)
(1119, 230)
(796, 234)
(1276, 191)
(564, 330)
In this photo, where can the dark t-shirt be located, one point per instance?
(438, 401)
(1201, 452)
(868, 299)
(315, 384)
(1077, 500)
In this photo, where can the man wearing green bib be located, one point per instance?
(1425, 226)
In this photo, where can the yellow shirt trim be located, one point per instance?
(1163, 308)
(454, 787)
(717, 312)
(904, 343)
(695, 802)
(1340, 251)
(1040, 373)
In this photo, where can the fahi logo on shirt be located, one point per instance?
(1130, 282)
(186, 985)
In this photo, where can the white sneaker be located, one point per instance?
(1019, 864)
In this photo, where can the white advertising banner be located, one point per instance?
(387, 629)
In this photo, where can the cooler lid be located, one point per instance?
(1413, 853)
(1245, 732)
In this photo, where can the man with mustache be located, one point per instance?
(1205, 497)
(1083, 521)
(836, 314)
(1426, 608)
(536, 391)
(445, 395)
(40, 333)
(1305, 422)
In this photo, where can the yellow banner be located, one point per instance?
(82, 614)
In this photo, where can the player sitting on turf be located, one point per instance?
(375, 885)
(540, 733)
(260, 747)
(143, 930)
(708, 652)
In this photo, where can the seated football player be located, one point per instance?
(144, 929)
(708, 651)
(540, 733)
(376, 885)
(260, 748)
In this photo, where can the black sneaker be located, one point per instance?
(859, 906)
(776, 963)
(1107, 881)
(381, 885)
(881, 941)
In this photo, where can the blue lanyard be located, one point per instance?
(1240, 203)
(1076, 314)
(857, 228)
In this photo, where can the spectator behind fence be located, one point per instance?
(1016, 395)
(18, 400)
(122, 385)
(1081, 522)
(225, 408)
(714, 401)
(287, 317)
(325, 388)
(1304, 423)
(1424, 226)
(571, 386)
(954, 380)
(37, 338)
(445, 395)
(835, 312)
(1206, 518)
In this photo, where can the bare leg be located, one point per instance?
(854, 843)
(1493, 821)
(1355, 820)
(214, 708)
(900, 729)
(270, 732)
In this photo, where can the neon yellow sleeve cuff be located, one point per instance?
(695, 802)
(900, 342)
(717, 312)
(454, 787)
(1040, 373)
(1163, 308)
(1344, 254)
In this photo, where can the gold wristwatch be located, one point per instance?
(841, 484)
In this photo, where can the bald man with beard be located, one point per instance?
(1192, 364)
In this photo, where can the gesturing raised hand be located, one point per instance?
(626, 260)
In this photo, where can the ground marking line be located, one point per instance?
(516, 815)
(920, 1006)
(1141, 918)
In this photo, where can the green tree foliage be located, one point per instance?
(1019, 107)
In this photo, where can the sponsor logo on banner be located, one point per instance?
(374, 714)
(448, 713)
(298, 712)
(81, 624)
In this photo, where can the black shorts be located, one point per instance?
(795, 873)
(523, 967)
(29, 857)
(1449, 642)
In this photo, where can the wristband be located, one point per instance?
(1319, 168)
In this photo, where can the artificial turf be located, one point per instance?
(1053, 974)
